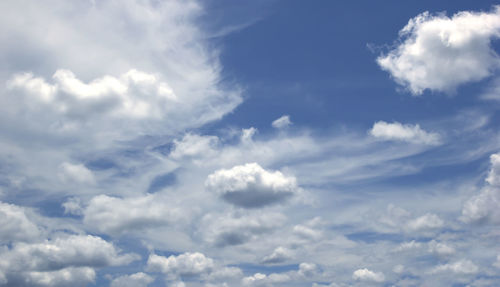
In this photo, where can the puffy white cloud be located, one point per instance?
(251, 186)
(192, 145)
(485, 205)
(463, 266)
(368, 275)
(425, 222)
(15, 225)
(440, 53)
(60, 261)
(440, 249)
(115, 215)
(279, 255)
(282, 122)
(79, 276)
(186, 264)
(408, 133)
(139, 279)
(259, 279)
(76, 173)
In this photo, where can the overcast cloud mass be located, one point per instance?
(265, 143)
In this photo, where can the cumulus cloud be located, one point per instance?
(282, 122)
(192, 145)
(463, 266)
(368, 275)
(279, 255)
(484, 206)
(440, 53)
(139, 279)
(408, 133)
(186, 264)
(251, 186)
(60, 260)
(236, 229)
(76, 173)
(15, 225)
(440, 249)
(115, 215)
(259, 279)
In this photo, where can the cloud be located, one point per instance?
(440, 53)
(425, 222)
(186, 264)
(440, 249)
(237, 229)
(405, 246)
(192, 145)
(259, 279)
(408, 133)
(139, 279)
(279, 255)
(113, 215)
(76, 173)
(15, 225)
(484, 206)
(59, 261)
(463, 266)
(282, 122)
(368, 275)
(251, 186)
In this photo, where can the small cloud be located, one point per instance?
(282, 122)
(368, 276)
(251, 186)
(408, 133)
(463, 266)
(425, 222)
(279, 255)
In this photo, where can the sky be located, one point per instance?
(250, 143)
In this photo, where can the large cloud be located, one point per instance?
(440, 53)
(59, 261)
(251, 186)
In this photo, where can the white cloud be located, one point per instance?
(80, 276)
(193, 145)
(440, 249)
(408, 133)
(15, 225)
(484, 206)
(186, 264)
(139, 279)
(282, 122)
(115, 215)
(405, 246)
(440, 53)
(259, 279)
(425, 222)
(251, 186)
(368, 275)
(463, 266)
(60, 261)
(76, 173)
(279, 255)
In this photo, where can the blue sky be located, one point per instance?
(265, 143)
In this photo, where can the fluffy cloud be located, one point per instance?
(279, 255)
(259, 279)
(15, 225)
(76, 173)
(59, 261)
(251, 186)
(114, 215)
(186, 264)
(484, 206)
(463, 266)
(399, 132)
(368, 275)
(139, 279)
(441, 249)
(282, 122)
(440, 53)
